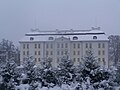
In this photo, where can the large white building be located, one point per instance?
(55, 44)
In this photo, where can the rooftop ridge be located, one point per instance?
(93, 30)
(65, 30)
(57, 30)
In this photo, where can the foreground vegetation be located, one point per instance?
(89, 75)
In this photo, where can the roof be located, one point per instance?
(64, 32)
(82, 35)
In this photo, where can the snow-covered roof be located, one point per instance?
(82, 35)
(64, 32)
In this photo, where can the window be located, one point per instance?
(27, 46)
(27, 52)
(57, 52)
(23, 46)
(51, 52)
(99, 60)
(38, 52)
(62, 45)
(50, 38)
(90, 45)
(35, 52)
(78, 59)
(75, 38)
(78, 45)
(99, 53)
(31, 38)
(86, 45)
(103, 52)
(66, 45)
(104, 63)
(58, 45)
(74, 53)
(51, 46)
(99, 45)
(74, 45)
(66, 52)
(94, 37)
(35, 45)
(74, 59)
(47, 46)
(47, 53)
(57, 60)
(39, 59)
(78, 52)
(23, 52)
(61, 52)
(38, 45)
(103, 45)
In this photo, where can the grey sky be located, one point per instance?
(17, 17)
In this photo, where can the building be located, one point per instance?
(56, 44)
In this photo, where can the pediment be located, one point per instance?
(62, 39)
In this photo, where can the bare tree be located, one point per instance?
(8, 51)
(114, 49)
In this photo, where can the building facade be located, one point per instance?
(56, 44)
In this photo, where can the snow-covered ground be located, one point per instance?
(63, 87)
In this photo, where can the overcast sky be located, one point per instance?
(17, 17)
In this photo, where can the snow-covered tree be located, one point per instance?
(118, 73)
(93, 75)
(65, 71)
(46, 63)
(33, 74)
(48, 78)
(47, 73)
(29, 68)
(10, 77)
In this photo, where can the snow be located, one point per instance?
(55, 88)
(27, 87)
(35, 66)
(1, 78)
(63, 87)
(23, 87)
(70, 37)
(43, 88)
(23, 76)
(117, 88)
(83, 36)
(20, 67)
(37, 32)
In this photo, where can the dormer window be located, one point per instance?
(75, 38)
(31, 38)
(94, 37)
(50, 38)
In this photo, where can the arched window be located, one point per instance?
(31, 38)
(50, 38)
(75, 38)
(94, 37)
